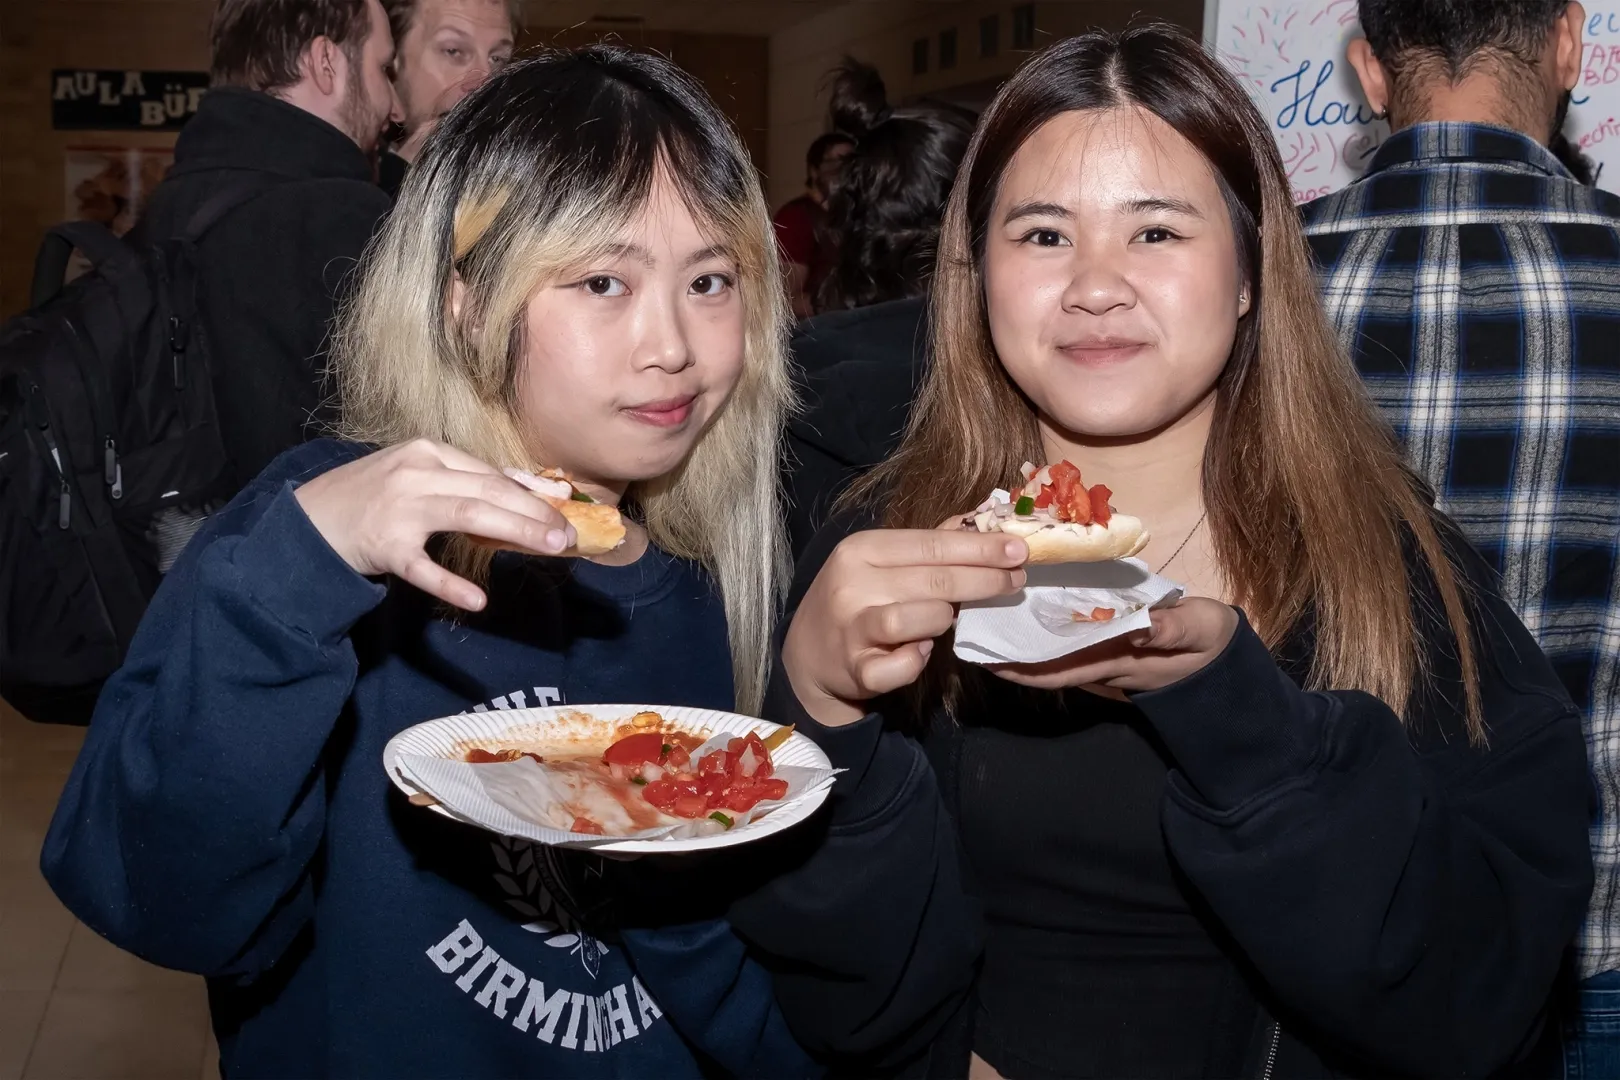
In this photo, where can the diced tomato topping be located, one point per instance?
(742, 799)
(1069, 499)
(761, 759)
(690, 806)
(719, 782)
(1064, 473)
(663, 793)
(1044, 499)
(678, 759)
(635, 749)
(713, 785)
(586, 825)
(1100, 510)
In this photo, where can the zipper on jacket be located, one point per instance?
(114, 471)
(177, 350)
(41, 417)
(1271, 1054)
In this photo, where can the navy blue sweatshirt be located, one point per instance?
(229, 815)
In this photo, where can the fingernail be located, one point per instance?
(1013, 549)
(556, 541)
(925, 647)
(1019, 578)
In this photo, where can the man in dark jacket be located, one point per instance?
(300, 100)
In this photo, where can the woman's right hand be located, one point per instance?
(378, 512)
(869, 620)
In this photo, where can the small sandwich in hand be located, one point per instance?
(1060, 518)
(598, 528)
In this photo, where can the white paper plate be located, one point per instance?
(449, 737)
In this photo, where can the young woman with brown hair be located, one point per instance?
(1328, 816)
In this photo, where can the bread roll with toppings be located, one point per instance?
(598, 527)
(1060, 519)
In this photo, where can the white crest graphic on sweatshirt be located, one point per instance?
(526, 873)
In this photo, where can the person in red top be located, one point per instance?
(797, 222)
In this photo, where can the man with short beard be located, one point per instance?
(443, 50)
(299, 103)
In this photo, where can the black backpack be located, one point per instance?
(110, 453)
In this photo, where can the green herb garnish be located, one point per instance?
(638, 780)
(580, 496)
(668, 748)
(1025, 505)
(721, 818)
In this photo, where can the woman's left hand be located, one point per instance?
(1182, 640)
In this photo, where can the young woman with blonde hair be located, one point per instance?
(579, 273)
(1328, 816)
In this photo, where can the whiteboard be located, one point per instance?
(1289, 55)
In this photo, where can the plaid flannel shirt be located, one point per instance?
(1477, 287)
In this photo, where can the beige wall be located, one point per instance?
(881, 32)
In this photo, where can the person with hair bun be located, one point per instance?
(884, 211)
(863, 355)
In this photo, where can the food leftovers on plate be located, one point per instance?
(651, 774)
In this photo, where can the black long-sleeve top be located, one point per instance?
(1387, 898)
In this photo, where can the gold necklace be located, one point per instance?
(1189, 536)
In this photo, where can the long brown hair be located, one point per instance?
(1308, 498)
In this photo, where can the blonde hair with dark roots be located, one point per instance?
(531, 176)
(1307, 494)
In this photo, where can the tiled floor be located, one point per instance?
(72, 1007)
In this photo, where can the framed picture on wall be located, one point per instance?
(111, 185)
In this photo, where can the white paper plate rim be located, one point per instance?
(425, 756)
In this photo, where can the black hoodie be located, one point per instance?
(272, 269)
(1392, 899)
(858, 372)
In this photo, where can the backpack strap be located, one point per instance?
(104, 249)
(98, 243)
(232, 196)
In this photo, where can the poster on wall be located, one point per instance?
(1289, 55)
(110, 185)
